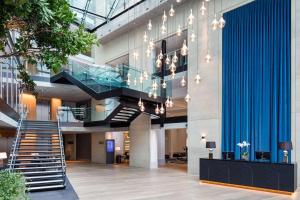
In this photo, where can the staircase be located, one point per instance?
(38, 154)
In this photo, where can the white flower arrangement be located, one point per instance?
(244, 146)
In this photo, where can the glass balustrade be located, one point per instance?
(103, 78)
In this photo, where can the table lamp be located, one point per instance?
(210, 145)
(3, 156)
(285, 146)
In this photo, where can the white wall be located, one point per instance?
(296, 83)
(98, 148)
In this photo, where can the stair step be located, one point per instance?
(39, 163)
(39, 144)
(44, 182)
(37, 168)
(27, 174)
(43, 177)
(38, 151)
(39, 155)
(29, 138)
(37, 159)
(50, 187)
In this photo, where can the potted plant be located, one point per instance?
(244, 149)
(12, 186)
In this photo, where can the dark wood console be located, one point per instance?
(261, 175)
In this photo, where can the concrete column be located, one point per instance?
(161, 144)
(98, 148)
(143, 143)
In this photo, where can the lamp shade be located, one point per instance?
(3, 155)
(210, 145)
(285, 146)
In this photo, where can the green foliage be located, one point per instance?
(46, 34)
(12, 186)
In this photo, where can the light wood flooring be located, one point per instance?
(99, 182)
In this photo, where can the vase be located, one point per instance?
(245, 157)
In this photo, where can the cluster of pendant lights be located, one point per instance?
(171, 62)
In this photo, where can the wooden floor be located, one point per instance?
(98, 182)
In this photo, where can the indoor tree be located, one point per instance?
(45, 33)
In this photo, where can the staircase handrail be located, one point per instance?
(63, 161)
(18, 136)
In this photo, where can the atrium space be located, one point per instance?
(149, 99)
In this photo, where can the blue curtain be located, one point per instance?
(256, 77)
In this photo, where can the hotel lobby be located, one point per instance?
(150, 99)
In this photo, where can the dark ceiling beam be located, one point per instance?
(88, 12)
(117, 15)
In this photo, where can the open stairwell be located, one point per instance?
(38, 154)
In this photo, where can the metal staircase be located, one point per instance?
(38, 154)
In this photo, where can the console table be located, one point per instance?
(275, 177)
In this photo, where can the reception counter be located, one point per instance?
(274, 177)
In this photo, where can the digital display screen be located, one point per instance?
(110, 146)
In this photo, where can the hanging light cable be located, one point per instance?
(222, 21)
(208, 57)
(203, 9)
(215, 22)
(197, 77)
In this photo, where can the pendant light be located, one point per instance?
(150, 94)
(168, 60)
(222, 21)
(154, 86)
(163, 28)
(158, 63)
(142, 108)
(208, 57)
(135, 82)
(173, 75)
(141, 78)
(145, 37)
(140, 102)
(172, 67)
(146, 76)
(160, 55)
(167, 103)
(179, 31)
(184, 49)
(171, 11)
(148, 52)
(162, 110)
(187, 98)
(175, 58)
(171, 103)
(128, 79)
(191, 18)
(157, 111)
(135, 55)
(193, 36)
(178, 1)
(164, 17)
(215, 23)
(164, 84)
(183, 82)
(149, 26)
(197, 78)
(203, 9)
(151, 44)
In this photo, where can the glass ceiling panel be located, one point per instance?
(93, 13)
